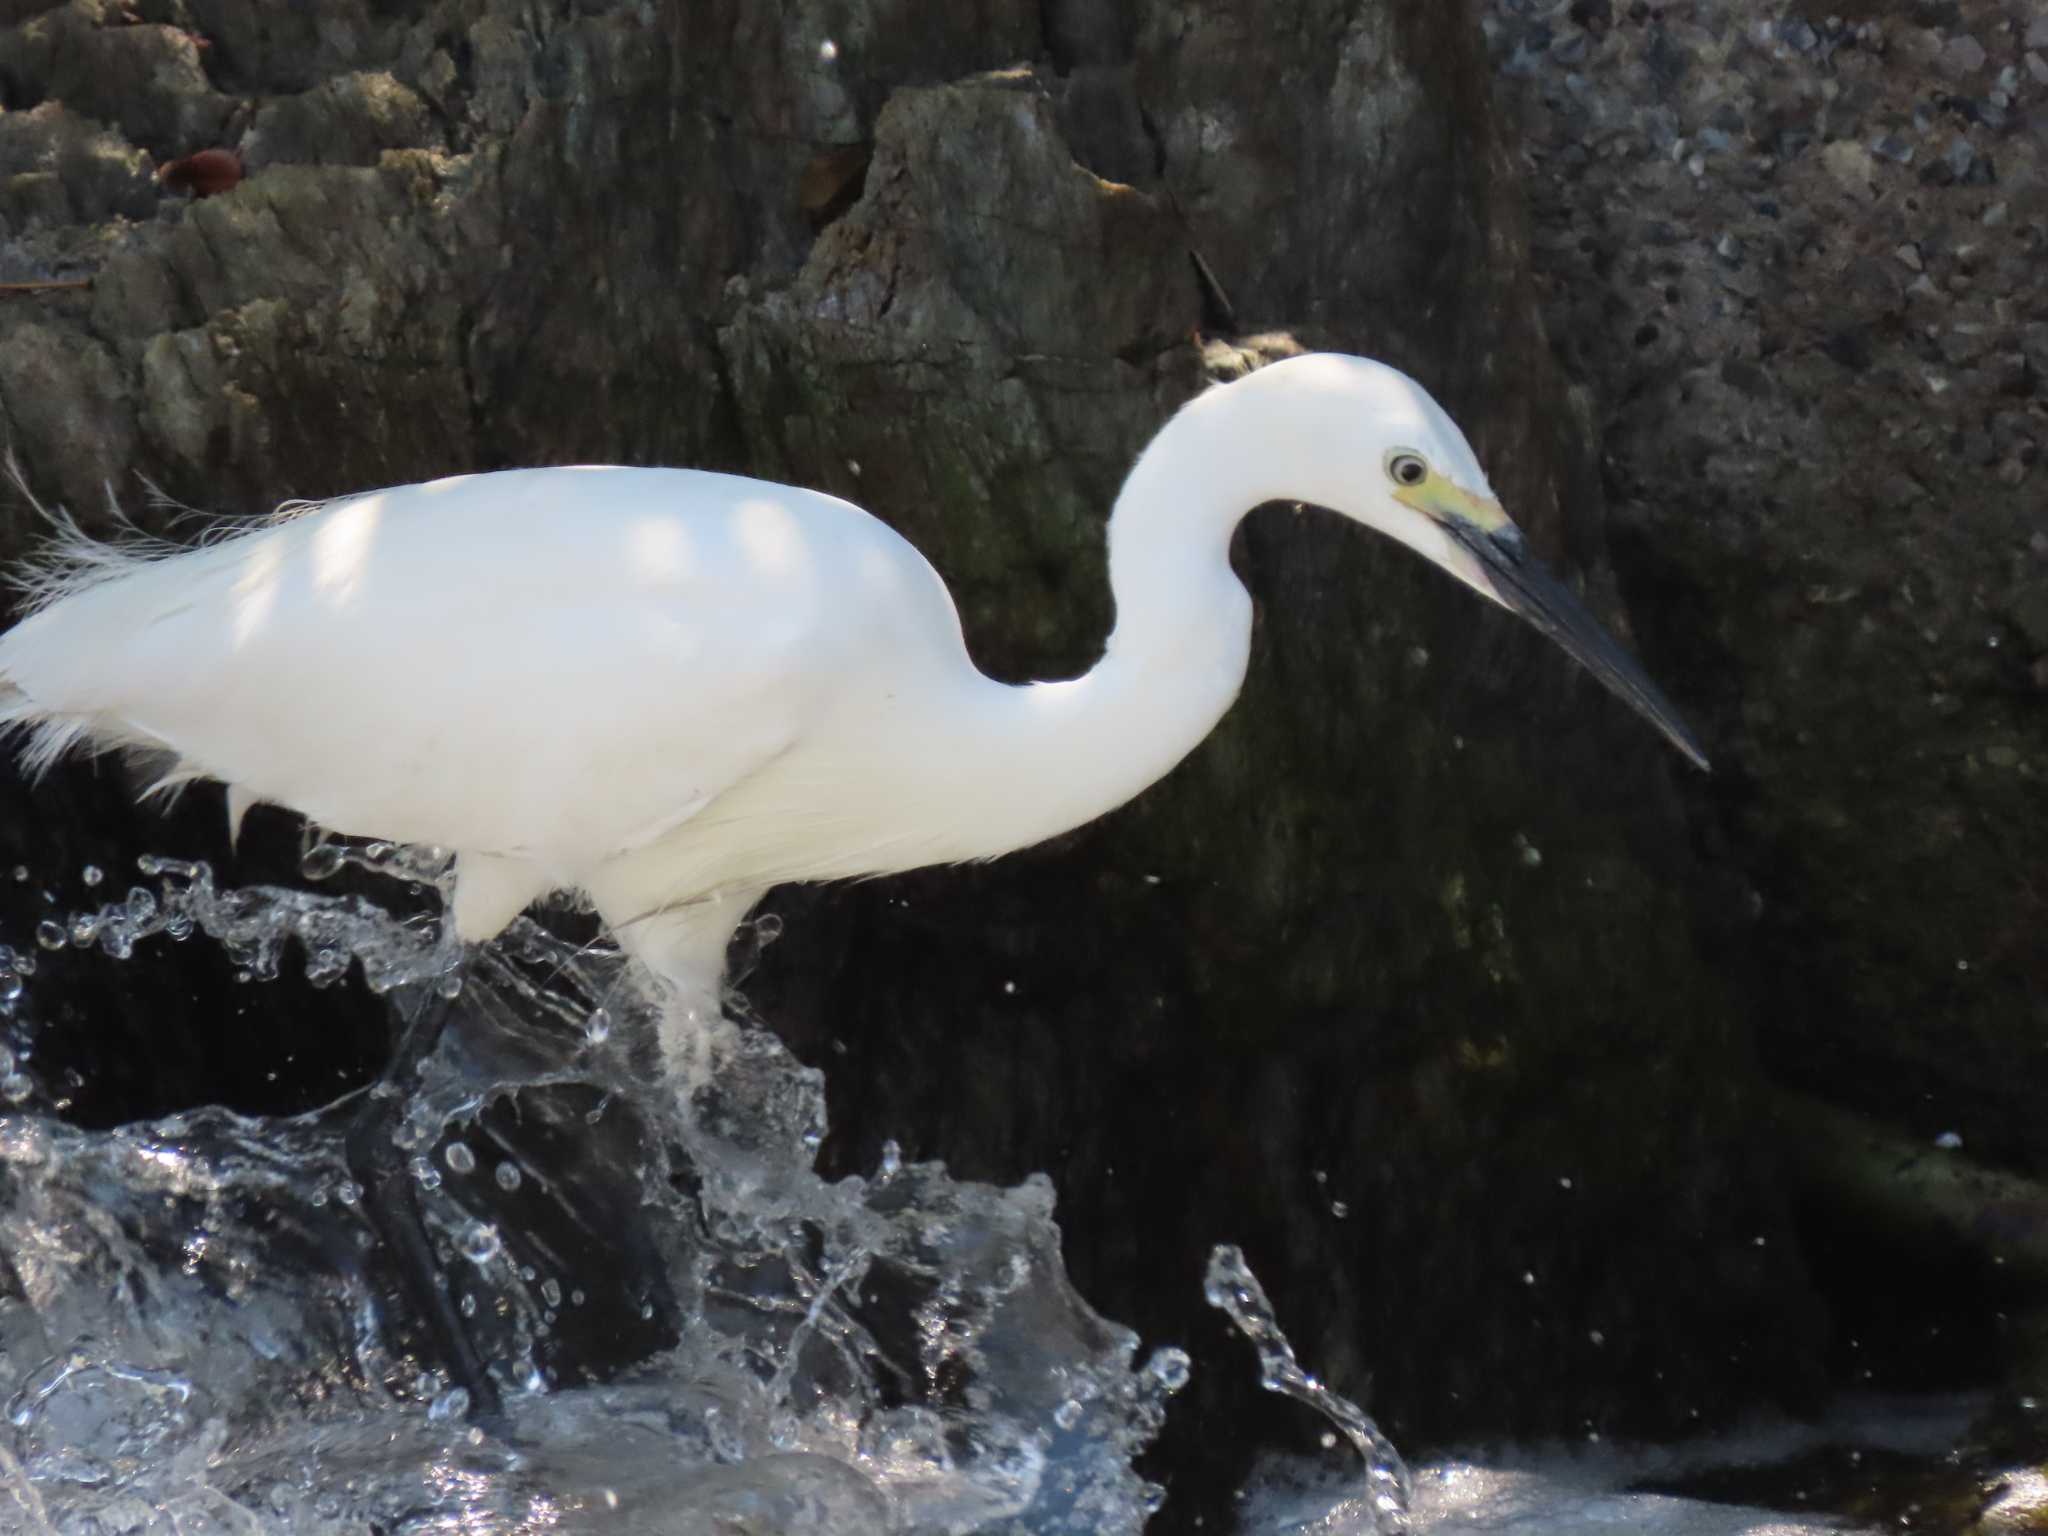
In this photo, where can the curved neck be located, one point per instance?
(1175, 659)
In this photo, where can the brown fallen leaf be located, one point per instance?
(203, 173)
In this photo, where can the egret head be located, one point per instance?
(1371, 444)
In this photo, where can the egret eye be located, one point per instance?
(1408, 468)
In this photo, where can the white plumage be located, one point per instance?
(673, 689)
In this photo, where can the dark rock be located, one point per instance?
(147, 82)
(1849, 348)
(57, 168)
(349, 120)
(1101, 120)
(1745, 377)
(2028, 612)
(629, 234)
(1667, 60)
(1082, 34)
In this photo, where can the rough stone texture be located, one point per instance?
(1403, 981)
(1795, 252)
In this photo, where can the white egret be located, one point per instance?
(672, 690)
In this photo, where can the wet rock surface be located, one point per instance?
(1796, 252)
(1413, 981)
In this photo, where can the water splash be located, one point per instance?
(1231, 1287)
(197, 1333)
(254, 925)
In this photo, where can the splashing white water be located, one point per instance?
(1232, 1288)
(192, 1326)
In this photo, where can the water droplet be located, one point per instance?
(21, 874)
(450, 1406)
(1339, 1209)
(1230, 1285)
(10, 988)
(576, 1298)
(1068, 1414)
(449, 986)
(479, 1244)
(892, 1161)
(323, 861)
(1327, 1440)
(92, 874)
(460, 1158)
(827, 51)
(16, 1087)
(348, 1192)
(507, 1175)
(1949, 1141)
(1171, 1368)
(425, 1174)
(551, 1291)
(598, 1027)
(468, 1306)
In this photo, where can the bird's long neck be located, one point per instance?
(1177, 656)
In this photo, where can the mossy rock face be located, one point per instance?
(1410, 936)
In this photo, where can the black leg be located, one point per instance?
(392, 1203)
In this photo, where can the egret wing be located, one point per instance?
(556, 664)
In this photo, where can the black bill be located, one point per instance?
(1524, 586)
